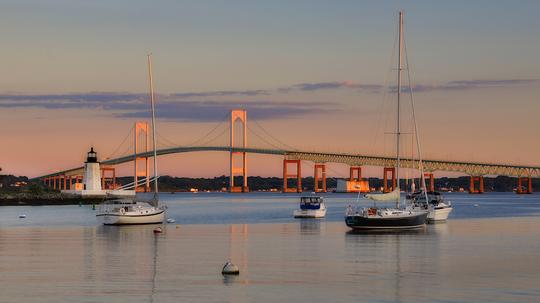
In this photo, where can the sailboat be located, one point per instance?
(376, 218)
(137, 210)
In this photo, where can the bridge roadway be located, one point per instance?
(470, 168)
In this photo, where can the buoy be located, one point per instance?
(22, 216)
(476, 205)
(230, 269)
(171, 220)
(158, 230)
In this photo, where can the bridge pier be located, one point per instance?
(104, 178)
(355, 173)
(322, 168)
(528, 189)
(286, 176)
(386, 171)
(431, 185)
(472, 187)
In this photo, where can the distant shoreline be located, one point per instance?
(25, 199)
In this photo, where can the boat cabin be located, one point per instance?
(312, 202)
(433, 197)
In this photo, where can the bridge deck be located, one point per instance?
(470, 168)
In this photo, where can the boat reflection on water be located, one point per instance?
(397, 257)
(310, 226)
(422, 230)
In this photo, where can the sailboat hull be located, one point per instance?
(359, 222)
(126, 219)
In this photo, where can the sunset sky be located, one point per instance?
(316, 75)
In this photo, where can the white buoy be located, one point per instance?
(22, 216)
(171, 220)
(158, 230)
(230, 269)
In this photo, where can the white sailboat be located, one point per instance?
(137, 210)
(376, 218)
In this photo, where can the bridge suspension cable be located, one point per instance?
(221, 122)
(251, 131)
(115, 152)
(272, 137)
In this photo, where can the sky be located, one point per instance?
(313, 75)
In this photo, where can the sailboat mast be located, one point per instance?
(398, 124)
(152, 101)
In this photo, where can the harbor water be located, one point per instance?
(489, 251)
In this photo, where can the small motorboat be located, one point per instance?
(22, 216)
(438, 208)
(311, 207)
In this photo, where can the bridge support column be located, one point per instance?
(431, 185)
(386, 171)
(238, 114)
(105, 178)
(355, 173)
(286, 176)
(473, 189)
(322, 168)
(141, 134)
(528, 185)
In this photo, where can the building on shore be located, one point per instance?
(354, 186)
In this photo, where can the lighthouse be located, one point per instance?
(92, 173)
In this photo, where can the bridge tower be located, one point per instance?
(141, 134)
(241, 115)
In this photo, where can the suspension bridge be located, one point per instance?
(139, 154)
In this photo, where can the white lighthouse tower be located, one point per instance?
(92, 175)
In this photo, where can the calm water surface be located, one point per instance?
(485, 253)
